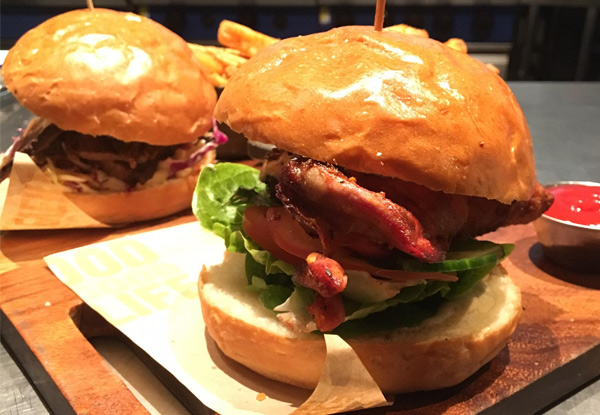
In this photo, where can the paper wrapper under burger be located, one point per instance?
(145, 285)
(33, 201)
(344, 385)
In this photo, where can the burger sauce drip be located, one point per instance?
(576, 203)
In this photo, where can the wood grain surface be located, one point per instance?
(555, 349)
(43, 322)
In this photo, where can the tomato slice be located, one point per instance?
(275, 231)
(256, 227)
(357, 264)
(289, 234)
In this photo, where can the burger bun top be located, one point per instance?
(386, 103)
(103, 72)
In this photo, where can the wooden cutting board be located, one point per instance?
(555, 349)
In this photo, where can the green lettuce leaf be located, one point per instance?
(274, 295)
(273, 288)
(401, 315)
(222, 194)
(271, 264)
(407, 295)
(272, 274)
(467, 280)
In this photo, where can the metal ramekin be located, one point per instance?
(569, 244)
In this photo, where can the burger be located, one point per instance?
(123, 112)
(392, 153)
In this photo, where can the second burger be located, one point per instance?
(123, 108)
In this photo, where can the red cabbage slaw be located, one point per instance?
(219, 139)
(208, 142)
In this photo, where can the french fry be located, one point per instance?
(493, 68)
(208, 61)
(217, 80)
(457, 44)
(242, 38)
(407, 30)
(219, 63)
(225, 56)
(241, 43)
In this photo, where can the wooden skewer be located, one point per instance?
(379, 14)
(90, 4)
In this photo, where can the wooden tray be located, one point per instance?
(555, 349)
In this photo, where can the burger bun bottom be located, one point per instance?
(443, 351)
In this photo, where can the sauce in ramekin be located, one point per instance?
(576, 203)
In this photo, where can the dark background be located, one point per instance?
(555, 40)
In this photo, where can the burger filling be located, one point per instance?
(90, 164)
(372, 215)
(335, 250)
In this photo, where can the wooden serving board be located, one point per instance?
(555, 349)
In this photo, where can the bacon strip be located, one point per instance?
(328, 313)
(449, 217)
(274, 230)
(322, 274)
(322, 198)
(444, 217)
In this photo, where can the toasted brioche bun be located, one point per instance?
(443, 351)
(103, 72)
(172, 196)
(386, 103)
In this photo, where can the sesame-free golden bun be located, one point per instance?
(444, 350)
(104, 72)
(386, 103)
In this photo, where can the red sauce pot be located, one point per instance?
(570, 230)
